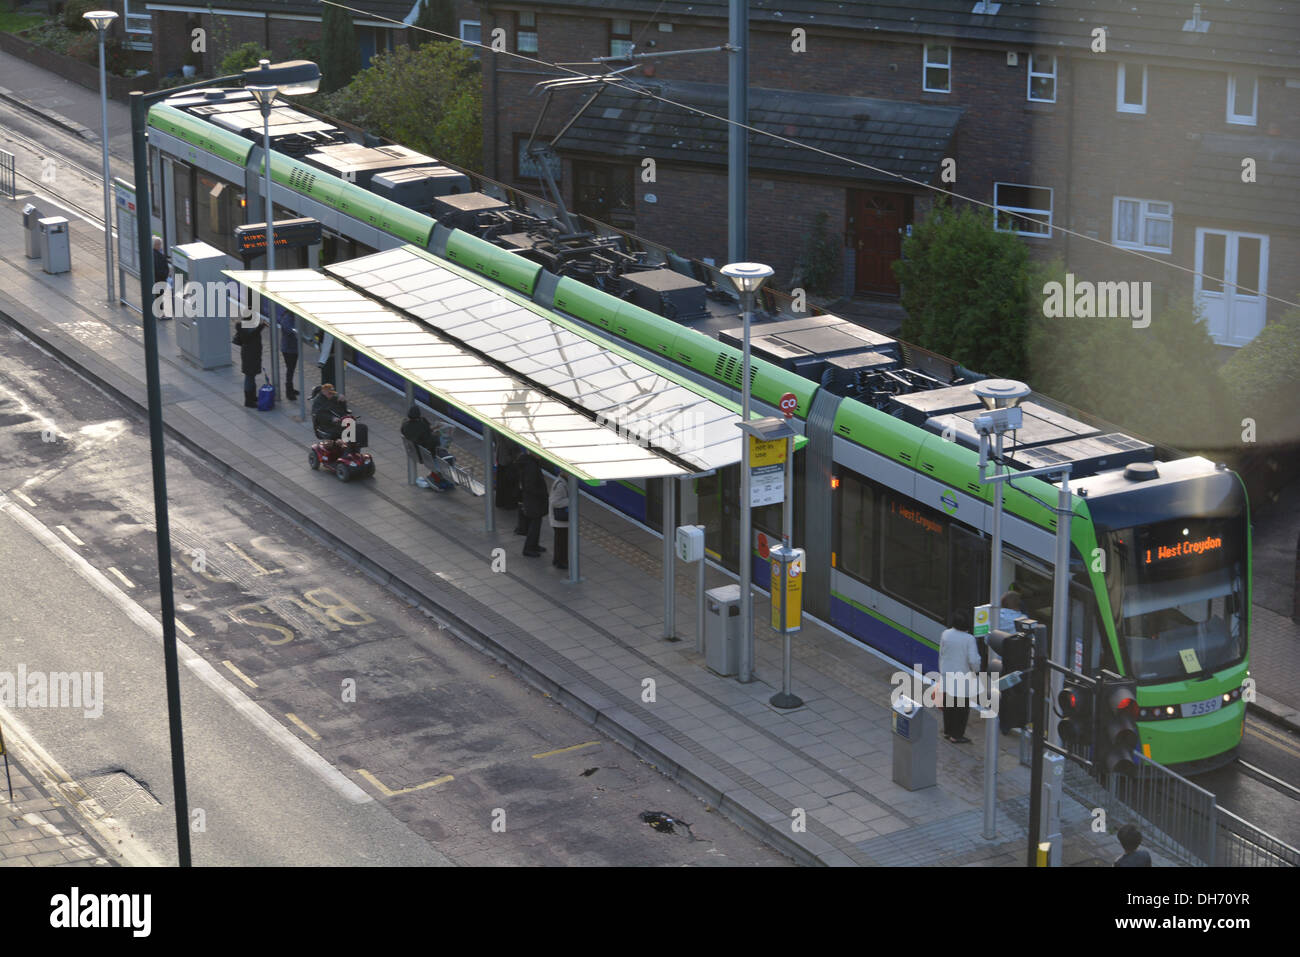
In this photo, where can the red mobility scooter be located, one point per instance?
(341, 437)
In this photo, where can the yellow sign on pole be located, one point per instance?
(791, 596)
(766, 453)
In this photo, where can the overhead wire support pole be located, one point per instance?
(737, 132)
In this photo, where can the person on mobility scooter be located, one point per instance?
(342, 437)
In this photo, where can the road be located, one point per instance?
(311, 688)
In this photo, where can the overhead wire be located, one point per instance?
(952, 194)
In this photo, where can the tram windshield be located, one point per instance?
(1178, 596)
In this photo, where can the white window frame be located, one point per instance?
(1145, 214)
(1243, 119)
(136, 18)
(926, 66)
(524, 28)
(1000, 207)
(620, 37)
(474, 50)
(1120, 105)
(1029, 92)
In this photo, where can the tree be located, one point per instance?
(340, 57)
(966, 290)
(243, 57)
(429, 99)
(1160, 382)
(436, 15)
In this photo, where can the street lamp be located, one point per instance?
(748, 279)
(1002, 398)
(101, 20)
(291, 75)
(294, 77)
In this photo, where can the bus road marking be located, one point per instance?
(1277, 740)
(69, 536)
(302, 724)
(388, 792)
(575, 747)
(239, 674)
(120, 577)
(23, 495)
(245, 556)
(181, 625)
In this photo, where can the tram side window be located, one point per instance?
(914, 564)
(1034, 586)
(219, 212)
(855, 527)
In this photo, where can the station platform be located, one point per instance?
(589, 645)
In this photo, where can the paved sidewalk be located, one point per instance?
(37, 828)
(589, 645)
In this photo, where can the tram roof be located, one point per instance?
(579, 401)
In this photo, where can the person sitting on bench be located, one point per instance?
(416, 429)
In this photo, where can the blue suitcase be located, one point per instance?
(266, 398)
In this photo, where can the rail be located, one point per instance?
(1179, 818)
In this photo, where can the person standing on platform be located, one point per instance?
(1130, 838)
(959, 659)
(560, 520)
(288, 349)
(533, 500)
(249, 340)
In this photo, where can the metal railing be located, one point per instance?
(1179, 818)
(8, 175)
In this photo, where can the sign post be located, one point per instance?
(787, 607)
(128, 257)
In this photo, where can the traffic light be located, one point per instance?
(1119, 712)
(1014, 649)
(1076, 725)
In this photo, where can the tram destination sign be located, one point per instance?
(288, 234)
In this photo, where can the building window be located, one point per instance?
(1042, 78)
(1243, 99)
(1131, 89)
(525, 32)
(620, 37)
(529, 167)
(471, 34)
(1016, 204)
(606, 193)
(938, 69)
(1143, 224)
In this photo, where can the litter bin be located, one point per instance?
(722, 629)
(56, 253)
(916, 744)
(32, 216)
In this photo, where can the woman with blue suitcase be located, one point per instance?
(249, 340)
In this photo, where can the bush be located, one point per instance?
(243, 57)
(72, 14)
(1263, 379)
(1160, 382)
(820, 262)
(966, 290)
(428, 99)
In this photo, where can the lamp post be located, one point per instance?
(101, 20)
(1002, 398)
(284, 74)
(264, 87)
(748, 278)
(265, 97)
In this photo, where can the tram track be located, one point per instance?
(92, 178)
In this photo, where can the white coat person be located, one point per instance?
(559, 518)
(959, 660)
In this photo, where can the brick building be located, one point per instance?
(285, 27)
(1124, 122)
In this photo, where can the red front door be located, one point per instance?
(877, 219)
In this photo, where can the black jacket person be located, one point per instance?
(249, 340)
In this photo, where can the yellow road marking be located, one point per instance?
(122, 578)
(389, 792)
(302, 724)
(1279, 742)
(72, 538)
(24, 497)
(244, 555)
(181, 625)
(240, 675)
(576, 747)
